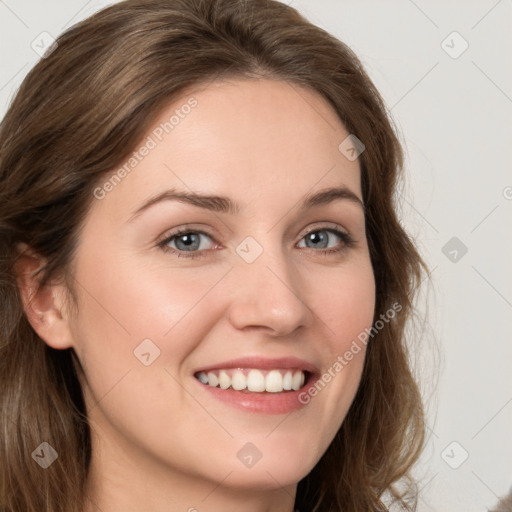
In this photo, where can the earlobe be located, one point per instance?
(44, 306)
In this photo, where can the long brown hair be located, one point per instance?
(78, 114)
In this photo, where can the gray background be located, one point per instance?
(453, 110)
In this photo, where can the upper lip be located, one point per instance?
(262, 362)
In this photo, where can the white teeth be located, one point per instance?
(256, 381)
(212, 379)
(274, 382)
(224, 380)
(287, 381)
(238, 381)
(296, 380)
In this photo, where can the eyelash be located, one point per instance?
(348, 242)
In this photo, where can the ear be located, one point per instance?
(44, 306)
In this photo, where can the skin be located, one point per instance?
(160, 442)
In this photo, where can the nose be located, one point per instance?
(267, 295)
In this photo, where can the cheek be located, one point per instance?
(346, 312)
(124, 304)
(130, 316)
(344, 300)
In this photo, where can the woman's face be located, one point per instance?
(254, 257)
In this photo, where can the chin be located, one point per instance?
(277, 467)
(267, 477)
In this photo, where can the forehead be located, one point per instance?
(241, 138)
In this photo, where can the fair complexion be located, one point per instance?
(162, 440)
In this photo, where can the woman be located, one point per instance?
(204, 281)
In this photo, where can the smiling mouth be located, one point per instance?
(253, 380)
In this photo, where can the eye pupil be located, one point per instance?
(188, 241)
(318, 238)
(192, 242)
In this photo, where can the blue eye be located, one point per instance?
(188, 241)
(326, 239)
(195, 244)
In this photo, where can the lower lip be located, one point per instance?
(266, 403)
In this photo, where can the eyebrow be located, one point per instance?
(220, 204)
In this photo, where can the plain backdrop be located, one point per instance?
(444, 70)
